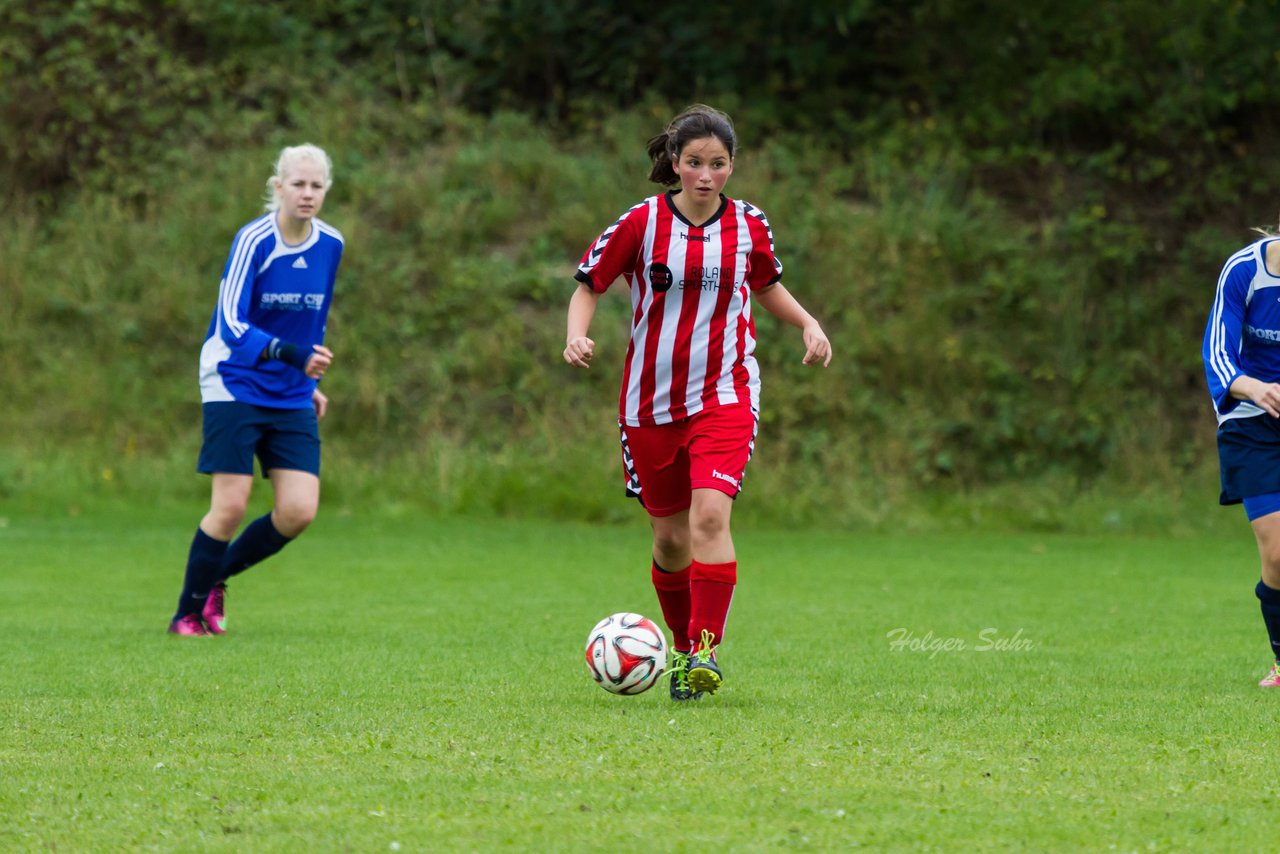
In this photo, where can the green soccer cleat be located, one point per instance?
(679, 672)
(704, 675)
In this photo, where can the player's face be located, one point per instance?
(302, 190)
(703, 166)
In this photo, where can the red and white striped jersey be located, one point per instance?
(692, 335)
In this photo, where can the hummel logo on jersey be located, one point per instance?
(726, 478)
(300, 264)
(705, 238)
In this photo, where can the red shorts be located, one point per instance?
(709, 450)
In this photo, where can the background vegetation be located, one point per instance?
(1009, 219)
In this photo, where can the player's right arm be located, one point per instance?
(578, 348)
(609, 256)
(246, 342)
(1222, 336)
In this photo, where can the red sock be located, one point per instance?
(711, 592)
(673, 596)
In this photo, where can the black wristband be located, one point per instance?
(290, 354)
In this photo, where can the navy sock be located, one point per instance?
(1270, 599)
(204, 568)
(259, 541)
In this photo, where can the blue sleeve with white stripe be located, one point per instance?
(1222, 335)
(252, 246)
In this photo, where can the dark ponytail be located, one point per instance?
(696, 122)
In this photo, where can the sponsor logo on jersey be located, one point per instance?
(719, 475)
(660, 276)
(706, 278)
(300, 264)
(1270, 336)
(282, 302)
(702, 238)
(291, 302)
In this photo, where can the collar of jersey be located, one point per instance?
(669, 196)
(283, 249)
(1262, 258)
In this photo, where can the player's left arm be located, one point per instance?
(779, 302)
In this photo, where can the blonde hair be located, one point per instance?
(290, 155)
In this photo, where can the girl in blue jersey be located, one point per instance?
(262, 357)
(1242, 365)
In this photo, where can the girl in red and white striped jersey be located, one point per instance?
(694, 260)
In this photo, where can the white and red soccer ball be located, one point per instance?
(626, 653)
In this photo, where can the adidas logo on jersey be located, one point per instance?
(300, 264)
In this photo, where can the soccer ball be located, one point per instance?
(626, 653)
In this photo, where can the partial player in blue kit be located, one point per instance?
(1242, 364)
(262, 358)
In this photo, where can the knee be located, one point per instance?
(670, 542)
(291, 518)
(708, 527)
(1271, 568)
(224, 517)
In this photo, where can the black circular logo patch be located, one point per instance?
(661, 278)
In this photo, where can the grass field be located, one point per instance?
(417, 684)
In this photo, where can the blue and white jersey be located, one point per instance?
(1243, 334)
(269, 290)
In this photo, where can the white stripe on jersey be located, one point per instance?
(677, 252)
(641, 304)
(1220, 359)
(752, 366)
(325, 228)
(233, 285)
(1217, 328)
(701, 341)
(739, 313)
(214, 352)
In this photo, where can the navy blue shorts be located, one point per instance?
(1249, 457)
(235, 432)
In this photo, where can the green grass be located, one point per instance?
(417, 684)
